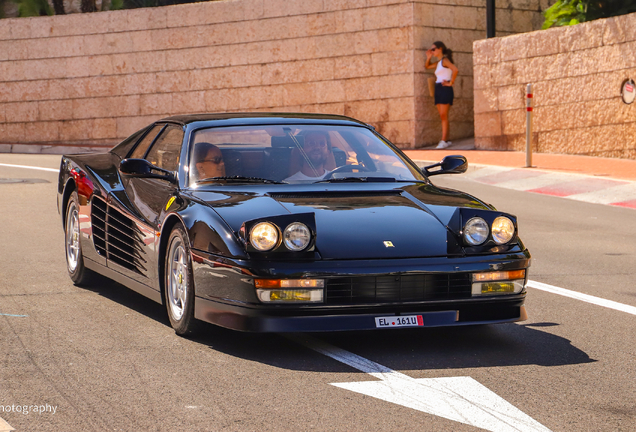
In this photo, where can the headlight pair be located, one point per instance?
(476, 231)
(265, 236)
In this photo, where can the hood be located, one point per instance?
(370, 225)
(358, 224)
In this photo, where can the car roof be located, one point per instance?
(239, 119)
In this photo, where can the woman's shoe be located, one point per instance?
(443, 144)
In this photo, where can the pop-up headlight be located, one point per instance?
(502, 230)
(264, 236)
(297, 236)
(475, 231)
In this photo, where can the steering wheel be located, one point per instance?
(346, 168)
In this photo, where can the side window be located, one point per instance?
(143, 145)
(123, 148)
(166, 150)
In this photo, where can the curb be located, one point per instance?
(579, 187)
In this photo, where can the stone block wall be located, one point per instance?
(93, 79)
(576, 74)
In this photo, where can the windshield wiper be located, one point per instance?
(359, 180)
(240, 179)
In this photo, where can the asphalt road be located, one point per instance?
(107, 359)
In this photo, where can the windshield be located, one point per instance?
(294, 154)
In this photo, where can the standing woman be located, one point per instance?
(445, 73)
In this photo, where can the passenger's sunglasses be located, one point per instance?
(215, 160)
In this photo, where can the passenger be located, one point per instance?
(208, 161)
(316, 151)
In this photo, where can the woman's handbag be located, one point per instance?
(431, 86)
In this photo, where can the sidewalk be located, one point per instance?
(584, 178)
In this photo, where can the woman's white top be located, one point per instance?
(442, 73)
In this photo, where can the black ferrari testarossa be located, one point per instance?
(288, 223)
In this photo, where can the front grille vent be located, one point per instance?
(398, 289)
(116, 237)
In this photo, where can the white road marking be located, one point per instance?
(4, 426)
(11, 315)
(31, 167)
(583, 297)
(461, 399)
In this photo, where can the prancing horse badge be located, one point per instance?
(388, 244)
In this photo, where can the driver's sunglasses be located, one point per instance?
(215, 160)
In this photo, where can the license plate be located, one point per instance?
(399, 321)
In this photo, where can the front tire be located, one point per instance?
(78, 272)
(179, 284)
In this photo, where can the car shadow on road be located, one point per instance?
(408, 349)
(128, 298)
(511, 344)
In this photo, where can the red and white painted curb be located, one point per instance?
(578, 187)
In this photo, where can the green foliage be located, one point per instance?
(570, 12)
(116, 4)
(565, 12)
(29, 8)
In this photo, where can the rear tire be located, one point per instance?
(179, 284)
(78, 272)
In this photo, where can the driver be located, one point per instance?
(316, 156)
(208, 161)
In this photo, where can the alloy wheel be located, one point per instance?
(72, 237)
(177, 279)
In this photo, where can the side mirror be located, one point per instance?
(143, 168)
(449, 165)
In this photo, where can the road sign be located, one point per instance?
(628, 91)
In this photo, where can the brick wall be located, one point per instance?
(576, 74)
(93, 79)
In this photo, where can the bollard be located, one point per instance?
(529, 126)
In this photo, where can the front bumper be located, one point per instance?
(492, 311)
(225, 294)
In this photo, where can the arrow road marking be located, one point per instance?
(461, 399)
(583, 297)
(4, 426)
